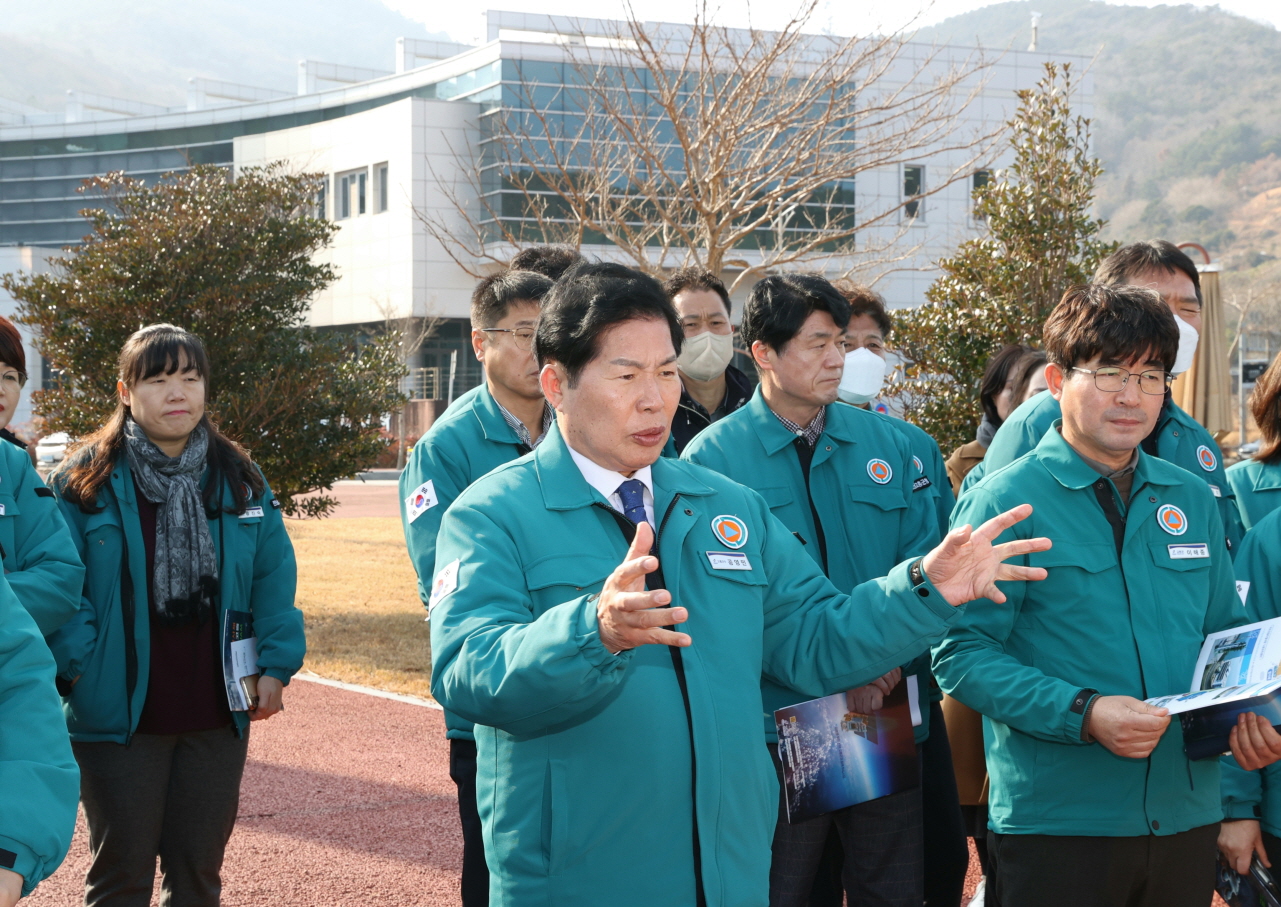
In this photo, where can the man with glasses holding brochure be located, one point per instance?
(1093, 800)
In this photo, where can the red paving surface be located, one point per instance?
(357, 499)
(346, 800)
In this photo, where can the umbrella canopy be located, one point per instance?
(1204, 391)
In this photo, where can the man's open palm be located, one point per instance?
(966, 565)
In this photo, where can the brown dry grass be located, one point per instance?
(358, 592)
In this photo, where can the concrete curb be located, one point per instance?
(368, 691)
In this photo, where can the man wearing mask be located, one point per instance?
(843, 481)
(1176, 437)
(711, 388)
(502, 419)
(947, 857)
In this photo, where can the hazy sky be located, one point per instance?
(464, 19)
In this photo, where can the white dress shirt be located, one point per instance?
(606, 481)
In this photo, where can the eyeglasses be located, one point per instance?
(13, 380)
(1113, 380)
(523, 337)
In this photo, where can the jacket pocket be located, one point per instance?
(882, 497)
(776, 495)
(559, 578)
(1090, 558)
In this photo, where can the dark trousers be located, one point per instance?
(462, 769)
(882, 842)
(1065, 871)
(172, 797)
(947, 855)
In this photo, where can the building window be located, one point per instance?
(380, 188)
(913, 186)
(349, 199)
(321, 200)
(978, 181)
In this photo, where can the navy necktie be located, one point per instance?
(632, 494)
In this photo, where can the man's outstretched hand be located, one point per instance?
(627, 616)
(966, 565)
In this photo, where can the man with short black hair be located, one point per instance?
(550, 261)
(605, 615)
(843, 481)
(711, 388)
(1092, 799)
(502, 419)
(1175, 436)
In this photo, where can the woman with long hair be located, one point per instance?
(176, 526)
(996, 395)
(40, 562)
(1256, 480)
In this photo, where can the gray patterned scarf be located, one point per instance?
(186, 569)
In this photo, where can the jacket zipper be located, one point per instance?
(678, 664)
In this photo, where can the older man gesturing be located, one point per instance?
(619, 757)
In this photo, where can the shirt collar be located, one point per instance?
(606, 481)
(519, 427)
(812, 432)
(1102, 468)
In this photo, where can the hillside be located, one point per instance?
(1187, 114)
(145, 50)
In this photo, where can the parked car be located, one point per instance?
(52, 448)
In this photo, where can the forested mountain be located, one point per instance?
(1187, 114)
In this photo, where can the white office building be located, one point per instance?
(391, 145)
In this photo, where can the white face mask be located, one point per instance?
(863, 376)
(705, 355)
(1188, 337)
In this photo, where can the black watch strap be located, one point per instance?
(915, 574)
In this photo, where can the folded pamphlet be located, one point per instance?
(1238, 670)
(837, 752)
(240, 660)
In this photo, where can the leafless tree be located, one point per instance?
(407, 334)
(735, 149)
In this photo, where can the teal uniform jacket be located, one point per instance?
(869, 526)
(1257, 795)
(40, 560)
(470, 439)
(38, 775)
(929, 463)
(1257, 489)
(584, 761)
(257, 573)
(1180, 440)
(1129, 626)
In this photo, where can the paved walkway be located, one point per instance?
(346, 800)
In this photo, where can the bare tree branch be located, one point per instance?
(730, 148)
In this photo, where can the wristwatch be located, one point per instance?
(916, 575)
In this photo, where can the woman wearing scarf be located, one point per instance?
(175, 525)
(40, 562)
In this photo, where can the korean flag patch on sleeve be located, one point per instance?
(420, 500)
(446, 582)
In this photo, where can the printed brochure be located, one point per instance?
(837, 752)
(240, 660)
(1238, 670)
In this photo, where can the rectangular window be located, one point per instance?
(380, 188)
(350, 194)
(980, 179)
(913, 186)
(321, 200)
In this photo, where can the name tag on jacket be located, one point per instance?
(1184, 552)
(727, 560)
